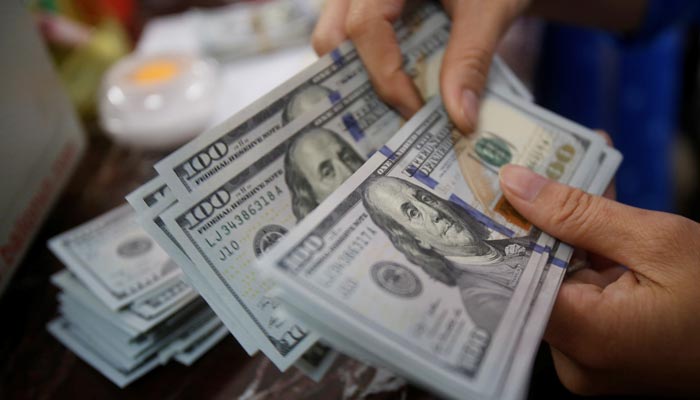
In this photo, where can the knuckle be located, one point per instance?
(387, 82)
(353, 28)
(574, 209)
(363, 14)
(473, 63)
(356, 24)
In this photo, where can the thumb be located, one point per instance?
(477, 27)
(596, 224)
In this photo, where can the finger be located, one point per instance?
(618, 232)
(611, 274)
(329, 32)
(600, 277)
(579, 379)
(588, 275)
(369, 25)
(574, 321)
(476, 30)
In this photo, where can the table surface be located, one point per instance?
(35, 365)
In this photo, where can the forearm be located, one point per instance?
(620, 16)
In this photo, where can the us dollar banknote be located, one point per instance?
(356, 120)
(319, 87)
(140, 316)
(239, 219)
(119, 261)
(515, 380)
(314, 362)
(65, 332)
(153, 199)
(418, 259)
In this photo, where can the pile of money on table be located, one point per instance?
(125, 308)
(316, 220)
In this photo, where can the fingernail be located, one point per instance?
(470, 107)
(521, 181)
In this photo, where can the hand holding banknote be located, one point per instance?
(478, 26)
(467, 56)
(616, 329)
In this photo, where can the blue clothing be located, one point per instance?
(627, 85)
(664, 13)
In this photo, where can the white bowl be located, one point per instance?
(158, 101)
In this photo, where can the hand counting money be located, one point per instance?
(424, 266)
(316, 220)
(348, 128)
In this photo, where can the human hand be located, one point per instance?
(476, 30)
(613, 329)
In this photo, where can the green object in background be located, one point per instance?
(82, 68)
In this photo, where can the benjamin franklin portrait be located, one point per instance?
(303, 101)
(449, 245)
(316, 163)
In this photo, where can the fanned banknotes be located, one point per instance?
(418, 260)
(337, 76)
(323, 186)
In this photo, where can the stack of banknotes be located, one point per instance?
(317, 221)
(124, 306)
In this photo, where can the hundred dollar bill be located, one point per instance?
(189, 338)
(360, 114)
(121, 356)
(153, 199)
(315, 362)
(417, 258)
(117, 259)
(195, 163)
(62, 330)
(318, 87)
(138, 317)
(197, 349)
(368, 115)
(240, 217)
(149, 195)
(515, 383)
(608, 164)
(133, 348)
(244, 294)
